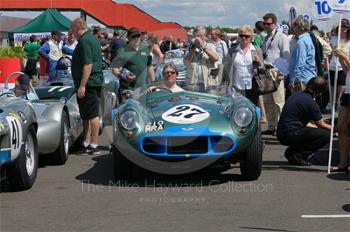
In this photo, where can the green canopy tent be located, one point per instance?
(49, 20)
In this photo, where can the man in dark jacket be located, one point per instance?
(301, 126)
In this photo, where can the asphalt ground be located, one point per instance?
(81, 196)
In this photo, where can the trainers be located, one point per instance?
(84, 150)
(301, 161)
(290, 157)
(94, 151)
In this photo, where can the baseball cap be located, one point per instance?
(133, 32)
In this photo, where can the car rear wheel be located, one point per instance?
(62, 152)
(251, 163)
(122, 167)
(23, 174)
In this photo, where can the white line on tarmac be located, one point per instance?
(327, 216)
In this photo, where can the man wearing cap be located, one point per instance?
(88, 80)
(52, 51)
(135, 58)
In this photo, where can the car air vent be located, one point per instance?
(154, 145)
(221, 143)
(187, 145)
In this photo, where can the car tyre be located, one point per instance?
(62, 152)
(23, 174)
(122, 167)
(251, 163)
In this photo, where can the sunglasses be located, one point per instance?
(245, 36)
(169, 73)
(135, 36)
(268, 24)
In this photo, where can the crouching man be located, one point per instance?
(301, 126)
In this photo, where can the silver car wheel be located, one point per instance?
(29, 154)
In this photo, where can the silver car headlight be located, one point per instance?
(129, 120)
(243, 116)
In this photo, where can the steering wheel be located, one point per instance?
(8, 93)
(157, 89)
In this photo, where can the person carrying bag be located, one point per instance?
(263, 81)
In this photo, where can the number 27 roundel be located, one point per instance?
(185, 114)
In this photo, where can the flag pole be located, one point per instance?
(334, 98)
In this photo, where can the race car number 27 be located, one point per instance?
(16, 135)
(185, 114)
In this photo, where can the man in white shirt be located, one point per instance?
(275, 45)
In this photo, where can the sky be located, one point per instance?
(228, 13)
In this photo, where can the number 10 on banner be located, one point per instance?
(323, 10)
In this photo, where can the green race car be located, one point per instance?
(182, 132)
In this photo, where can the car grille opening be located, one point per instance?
(187, 145)
(221, 143)
(155, 145)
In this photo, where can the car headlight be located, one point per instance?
(243, 116)
(129, 120)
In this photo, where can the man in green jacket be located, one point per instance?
(88, 80)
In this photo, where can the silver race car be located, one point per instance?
(59, 122)
(18, 141)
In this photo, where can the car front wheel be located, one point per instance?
(251, 163)
(23, 174)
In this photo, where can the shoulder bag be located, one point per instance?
(263, 82)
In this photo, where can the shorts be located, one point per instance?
(341, 77)
(30, 68)
(345, 100)
(89, 105)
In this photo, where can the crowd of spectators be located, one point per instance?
(212, 59)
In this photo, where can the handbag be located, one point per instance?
(263, 82)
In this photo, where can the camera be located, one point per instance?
(124, 73)
(195, 44)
